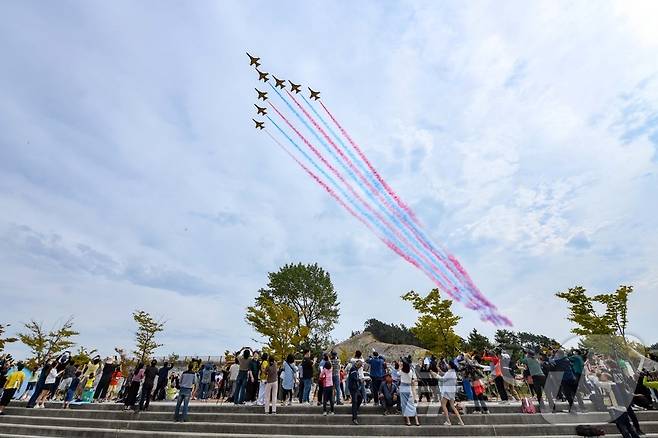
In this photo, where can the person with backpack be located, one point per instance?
(355, 386)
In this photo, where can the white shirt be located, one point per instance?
(233, 371)
(52, 376)
(407, 377)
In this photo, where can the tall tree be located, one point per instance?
(435, 326)
(147, 329)
(616, 311)
(535, 341)
(45, 344)
(279, 323)
(309, 292)
(506, 339)
(477, 342)
(4, 341)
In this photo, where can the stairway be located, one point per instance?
(211, 420)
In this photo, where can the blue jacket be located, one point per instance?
(376, 366)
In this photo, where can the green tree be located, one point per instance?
(588, 321)
(309, 292)
(4, 341)
(391, 333)
(506, 339)
(435, 326)
(536, 342)
(83, 355)
(477, 342)
(279, 323)
(147, 329)
(45, 344)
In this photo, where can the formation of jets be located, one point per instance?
(279, 83)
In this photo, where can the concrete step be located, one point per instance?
(31, 431)
(282, 417)
(211, 406)
(319, 427)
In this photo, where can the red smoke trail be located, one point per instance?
(384, 201)
(371, 167)
(453, 291)
(461, 271)
(392, 246)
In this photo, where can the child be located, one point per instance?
(13, 383)
(88, 394)
(114, 383)
(70, 392)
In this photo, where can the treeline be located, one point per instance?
(391, 333)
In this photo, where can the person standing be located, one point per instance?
(306, 378)
(233, 372)
(448, 393)
(115, 380)
(407, 403)
(70, 392)
(262, 378)
(41, 381)
(376, 363)
(355, 386)
(498, 373)
(186, 384)
(244, 358)
(12, 384)
(150, 373)
(271, 390)
(537, 374)
(49, 383)
(335, 377)
(289, 376)
(106, 376)
(326, 386)
(135, 382)
(163, 375)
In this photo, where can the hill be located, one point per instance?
(366, 342)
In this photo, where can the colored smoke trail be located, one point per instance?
(426, 246)
(477, 300)
(454, 290)
(391, 245)
(407, 241)
(371, 167)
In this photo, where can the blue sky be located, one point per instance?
(523, 134)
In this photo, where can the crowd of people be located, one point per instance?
(395, 384)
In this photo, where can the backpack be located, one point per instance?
(527, 406)
(589, 431)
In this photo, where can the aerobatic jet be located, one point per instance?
(281, 83)
(262, 95)
(261, 110)
(295, 87)
(314, 94)
(259, 125)
(262, 76)
(253, 60)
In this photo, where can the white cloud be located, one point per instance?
(523, 133)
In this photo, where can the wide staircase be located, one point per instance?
(216, 420)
